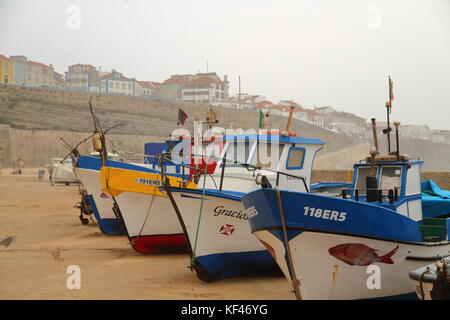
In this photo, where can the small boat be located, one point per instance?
(61, 171)
(432, 282)
(212, 217)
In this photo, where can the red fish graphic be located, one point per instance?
(358, 254)
(104, 195)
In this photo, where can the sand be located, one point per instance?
(50, 237)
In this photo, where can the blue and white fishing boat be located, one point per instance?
(359, 245)
(212, 217)
(87, 171)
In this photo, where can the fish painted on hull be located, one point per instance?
(358, 254)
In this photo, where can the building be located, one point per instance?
(20, 69)
(6, 69)
(39, 75)
(82, 77)
(441, 136)
(58, 80)
(172, 87)
(420, 132)
(206, 88)
(117, 83)
(201, 87)
(343, 122)
(245, 101)
(150, 88)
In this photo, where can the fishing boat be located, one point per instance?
(360, 244)
(87, 171)
(145, 210)
(432, 282)
(213, 220)
(61, 171)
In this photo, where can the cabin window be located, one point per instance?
(296, 157)
(390, 177)
(363, 172)
(237, 153)
(267, 155)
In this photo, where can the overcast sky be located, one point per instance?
(317, 52)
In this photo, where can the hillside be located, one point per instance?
(33, 118)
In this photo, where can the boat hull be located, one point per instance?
(150, 222)
(101, 204)
(364, 252)
(223, 247)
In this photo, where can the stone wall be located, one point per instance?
(37, 117)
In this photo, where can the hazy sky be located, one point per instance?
(317, 52)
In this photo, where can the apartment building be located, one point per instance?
(82, 77)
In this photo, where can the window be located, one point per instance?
(363, 172)
(129, 86)
(123, 86)
(117, 85)
(267, 155)
(296, 157)
(390, 177)
(237, 153)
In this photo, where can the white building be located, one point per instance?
(116, 83)
(82, 77)
(206, 88)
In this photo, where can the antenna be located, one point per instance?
(239, 96)
(374, 132)
(388, 112)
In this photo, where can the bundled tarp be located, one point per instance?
(435, 202)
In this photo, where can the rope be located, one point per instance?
(199, 219)
(146, 217)
(422, 293)
(295, 282)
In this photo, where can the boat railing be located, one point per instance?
(392, 193)
(292, 176)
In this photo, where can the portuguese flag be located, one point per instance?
(182, 116)
(261, 119)
(391, 89)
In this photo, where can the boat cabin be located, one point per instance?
(286, 161)
(398, 184)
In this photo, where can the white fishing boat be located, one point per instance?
(212, 216)
(61, 171)
(360, 244)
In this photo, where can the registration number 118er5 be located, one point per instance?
(326, 214)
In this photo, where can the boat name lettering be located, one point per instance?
(325, 214)
(149, 182)
(219, 210)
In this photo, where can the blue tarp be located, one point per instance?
(435, 202)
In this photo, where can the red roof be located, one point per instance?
(4, 57)
(284, 108)
(205, 79)
(39, 64)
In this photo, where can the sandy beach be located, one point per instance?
(50, 237)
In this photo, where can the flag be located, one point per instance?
(182, 116)
(391, 90)
(261, 119)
